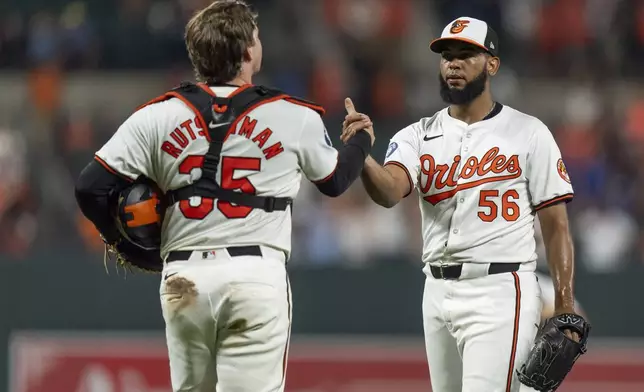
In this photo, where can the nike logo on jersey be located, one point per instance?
(169, 275)
(492, 167)
(428, 138)
(212, 125)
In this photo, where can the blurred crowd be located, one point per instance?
(573, 63)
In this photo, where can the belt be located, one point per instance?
(233, 251)
(454, 271)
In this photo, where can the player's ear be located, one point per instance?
(493, 64)
(247, 56)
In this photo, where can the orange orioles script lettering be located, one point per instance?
(491, 168)
(190, 130)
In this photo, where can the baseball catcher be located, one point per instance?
(132, 230)
(554, 353)
(229, 157)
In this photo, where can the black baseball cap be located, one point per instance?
(470, 30)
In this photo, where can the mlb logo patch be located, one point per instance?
(208, 255)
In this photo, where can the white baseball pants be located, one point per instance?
(479, 330)
(227, 321)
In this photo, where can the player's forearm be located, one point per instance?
(560, 254)
(380, 184)
(94, 188)
(351, 158)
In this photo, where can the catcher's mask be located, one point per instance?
(139, 215)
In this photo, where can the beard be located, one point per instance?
(467, 94)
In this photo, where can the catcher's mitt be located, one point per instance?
(554, 354)
(131, 257)
(139, 215)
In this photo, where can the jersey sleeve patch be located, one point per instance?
(327, 138)
(393, 146)
(563, 172)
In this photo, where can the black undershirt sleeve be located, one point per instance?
(351, 159)
(96, 188)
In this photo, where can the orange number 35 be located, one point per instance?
(509, 209)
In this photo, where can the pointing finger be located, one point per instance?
(348, 104)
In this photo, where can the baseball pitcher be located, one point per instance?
(227, 158)
(483, 170)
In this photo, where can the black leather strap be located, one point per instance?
(268, 204)
(500, 268)
(454, 271)
(231, 108)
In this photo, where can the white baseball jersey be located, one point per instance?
(480, 184)
(266, 155)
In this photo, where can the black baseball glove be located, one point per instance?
(131, 257)
(554, 354)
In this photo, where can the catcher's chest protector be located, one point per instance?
(216, 116)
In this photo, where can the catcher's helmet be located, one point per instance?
(139, 215)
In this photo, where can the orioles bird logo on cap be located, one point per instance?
(458, 26)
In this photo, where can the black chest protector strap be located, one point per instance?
(217, 115)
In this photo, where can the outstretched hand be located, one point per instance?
(354, 122)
